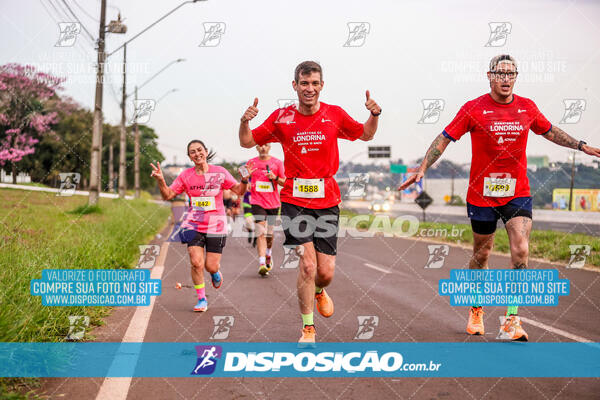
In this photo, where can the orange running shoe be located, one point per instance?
(308, 336)
(512, 329)
(324, 304)
(475, 324)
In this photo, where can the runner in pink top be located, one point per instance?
(264, 198)
(205, 224)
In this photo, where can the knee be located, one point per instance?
(325, 275)
(196, 264)
(212, 267)
(308, 268)
(520, 251)
(482, 254)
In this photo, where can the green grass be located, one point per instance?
(550, 245)
(41, 231)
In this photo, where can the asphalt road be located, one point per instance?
(579, 227)
(383, 277)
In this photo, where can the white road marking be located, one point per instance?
(556, 331)
(118, 388)
(377, 268)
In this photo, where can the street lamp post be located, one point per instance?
(95, 160)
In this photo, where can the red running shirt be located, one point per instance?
(498, 143)
(310, 148)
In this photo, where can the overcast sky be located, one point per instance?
(412, 51)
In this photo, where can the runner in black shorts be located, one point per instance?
(309, 136)
(268, 175)
(205, 225)
(499, 123)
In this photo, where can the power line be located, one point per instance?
(61, 15)
(85, 12)
(82, 25)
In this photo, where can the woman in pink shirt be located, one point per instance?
(205, 224)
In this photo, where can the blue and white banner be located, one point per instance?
(504, 287)
(288, 360)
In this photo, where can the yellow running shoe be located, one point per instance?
(475, 324)
(324, 304)
(308, 336)
(263, 270)
(512, 329)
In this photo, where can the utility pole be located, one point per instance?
(123, 137)
(136, 152)
(95, 164)
(111, 174)
(572, 181)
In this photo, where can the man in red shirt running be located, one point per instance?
(264, 198)
(308, 134)
(499, 123)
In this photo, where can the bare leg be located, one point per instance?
(306, 278)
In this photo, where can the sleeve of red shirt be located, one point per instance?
(178, 186)
(229, 180)
(348, 129)
(540, 124)
(268, 131)
(460, 125)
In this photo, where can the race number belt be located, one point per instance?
(262, 186)
(309, 188)
(499, 187)
(203, 203)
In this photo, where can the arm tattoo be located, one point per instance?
(433, 153)
(561, 138)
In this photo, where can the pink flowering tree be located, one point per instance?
(26, 112)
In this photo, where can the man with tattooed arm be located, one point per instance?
(499, 123)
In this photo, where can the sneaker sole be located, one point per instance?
(220, 282)
(200, 309)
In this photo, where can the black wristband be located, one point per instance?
(580, 145)
(245, 182)
(376, 115)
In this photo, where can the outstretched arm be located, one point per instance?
(370, 126)
(166, 192)
(562, 138)
(434, 152)
(245, 133)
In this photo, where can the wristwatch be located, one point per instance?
(245, 181)
(376, 115)
(580, 145)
